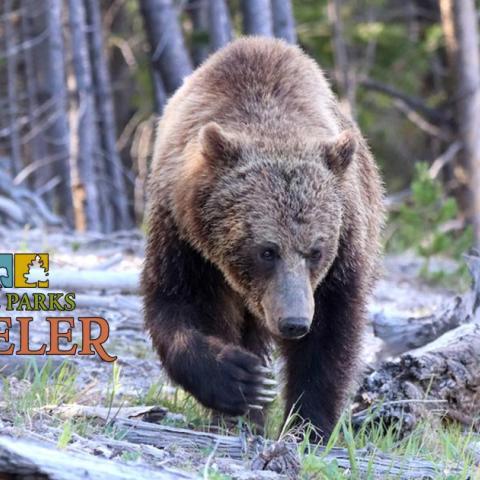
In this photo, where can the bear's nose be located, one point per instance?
(294, 327)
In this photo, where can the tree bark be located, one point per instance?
(31, 27)
(14, 136)
(198, 11)
(52, 85)
(86, 196)
(343, 70)
(283, 20)
(159, 92)
(459, 20)
(257, 17)
(220, 27)
(401, 334)
(168, 53)
(441, 378)
(117, 193)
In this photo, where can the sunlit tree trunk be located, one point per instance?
(460, 27)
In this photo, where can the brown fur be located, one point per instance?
(253, 149)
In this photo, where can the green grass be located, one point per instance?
(49, 385)
(32, 393)
(38, 388)
(444, 445)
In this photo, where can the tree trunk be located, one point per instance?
(220, 27)
(31, 27)
(257, 17)
(14, 135)
(117, 192)
(168, 53)
(198, 11)
(86, 196)
(459, 20)
(159, 92)
(52, 85)
(343, 70)
(283, 20)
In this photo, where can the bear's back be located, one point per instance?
(257, 80)
(260, 87)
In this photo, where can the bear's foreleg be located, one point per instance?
(188, 311)
(220, 375)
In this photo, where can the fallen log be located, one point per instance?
(23, 459)
(247, 447)
(87, 280)
(401, 334)
(376, 464)
(439, 380)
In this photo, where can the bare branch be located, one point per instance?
(432, 115)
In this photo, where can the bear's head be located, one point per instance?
(269, 220)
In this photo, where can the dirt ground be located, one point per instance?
(399, 292)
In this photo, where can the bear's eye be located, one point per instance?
(315, 254)
(268, 254)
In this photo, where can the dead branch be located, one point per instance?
(19, 206)
(421, 122)
(432, 115)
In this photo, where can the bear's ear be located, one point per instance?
(339, 153)
(218, 147)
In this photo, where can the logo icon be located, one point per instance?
(6, 270)
(31, 270)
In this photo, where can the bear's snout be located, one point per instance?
(294, 327)
(288, 304)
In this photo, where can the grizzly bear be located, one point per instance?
(265, 209)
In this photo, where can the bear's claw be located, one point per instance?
(270, 382)
(263, 369)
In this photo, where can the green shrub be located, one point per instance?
(419, 224)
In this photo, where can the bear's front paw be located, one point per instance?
(244, 383)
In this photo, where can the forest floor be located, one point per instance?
(34, 393)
